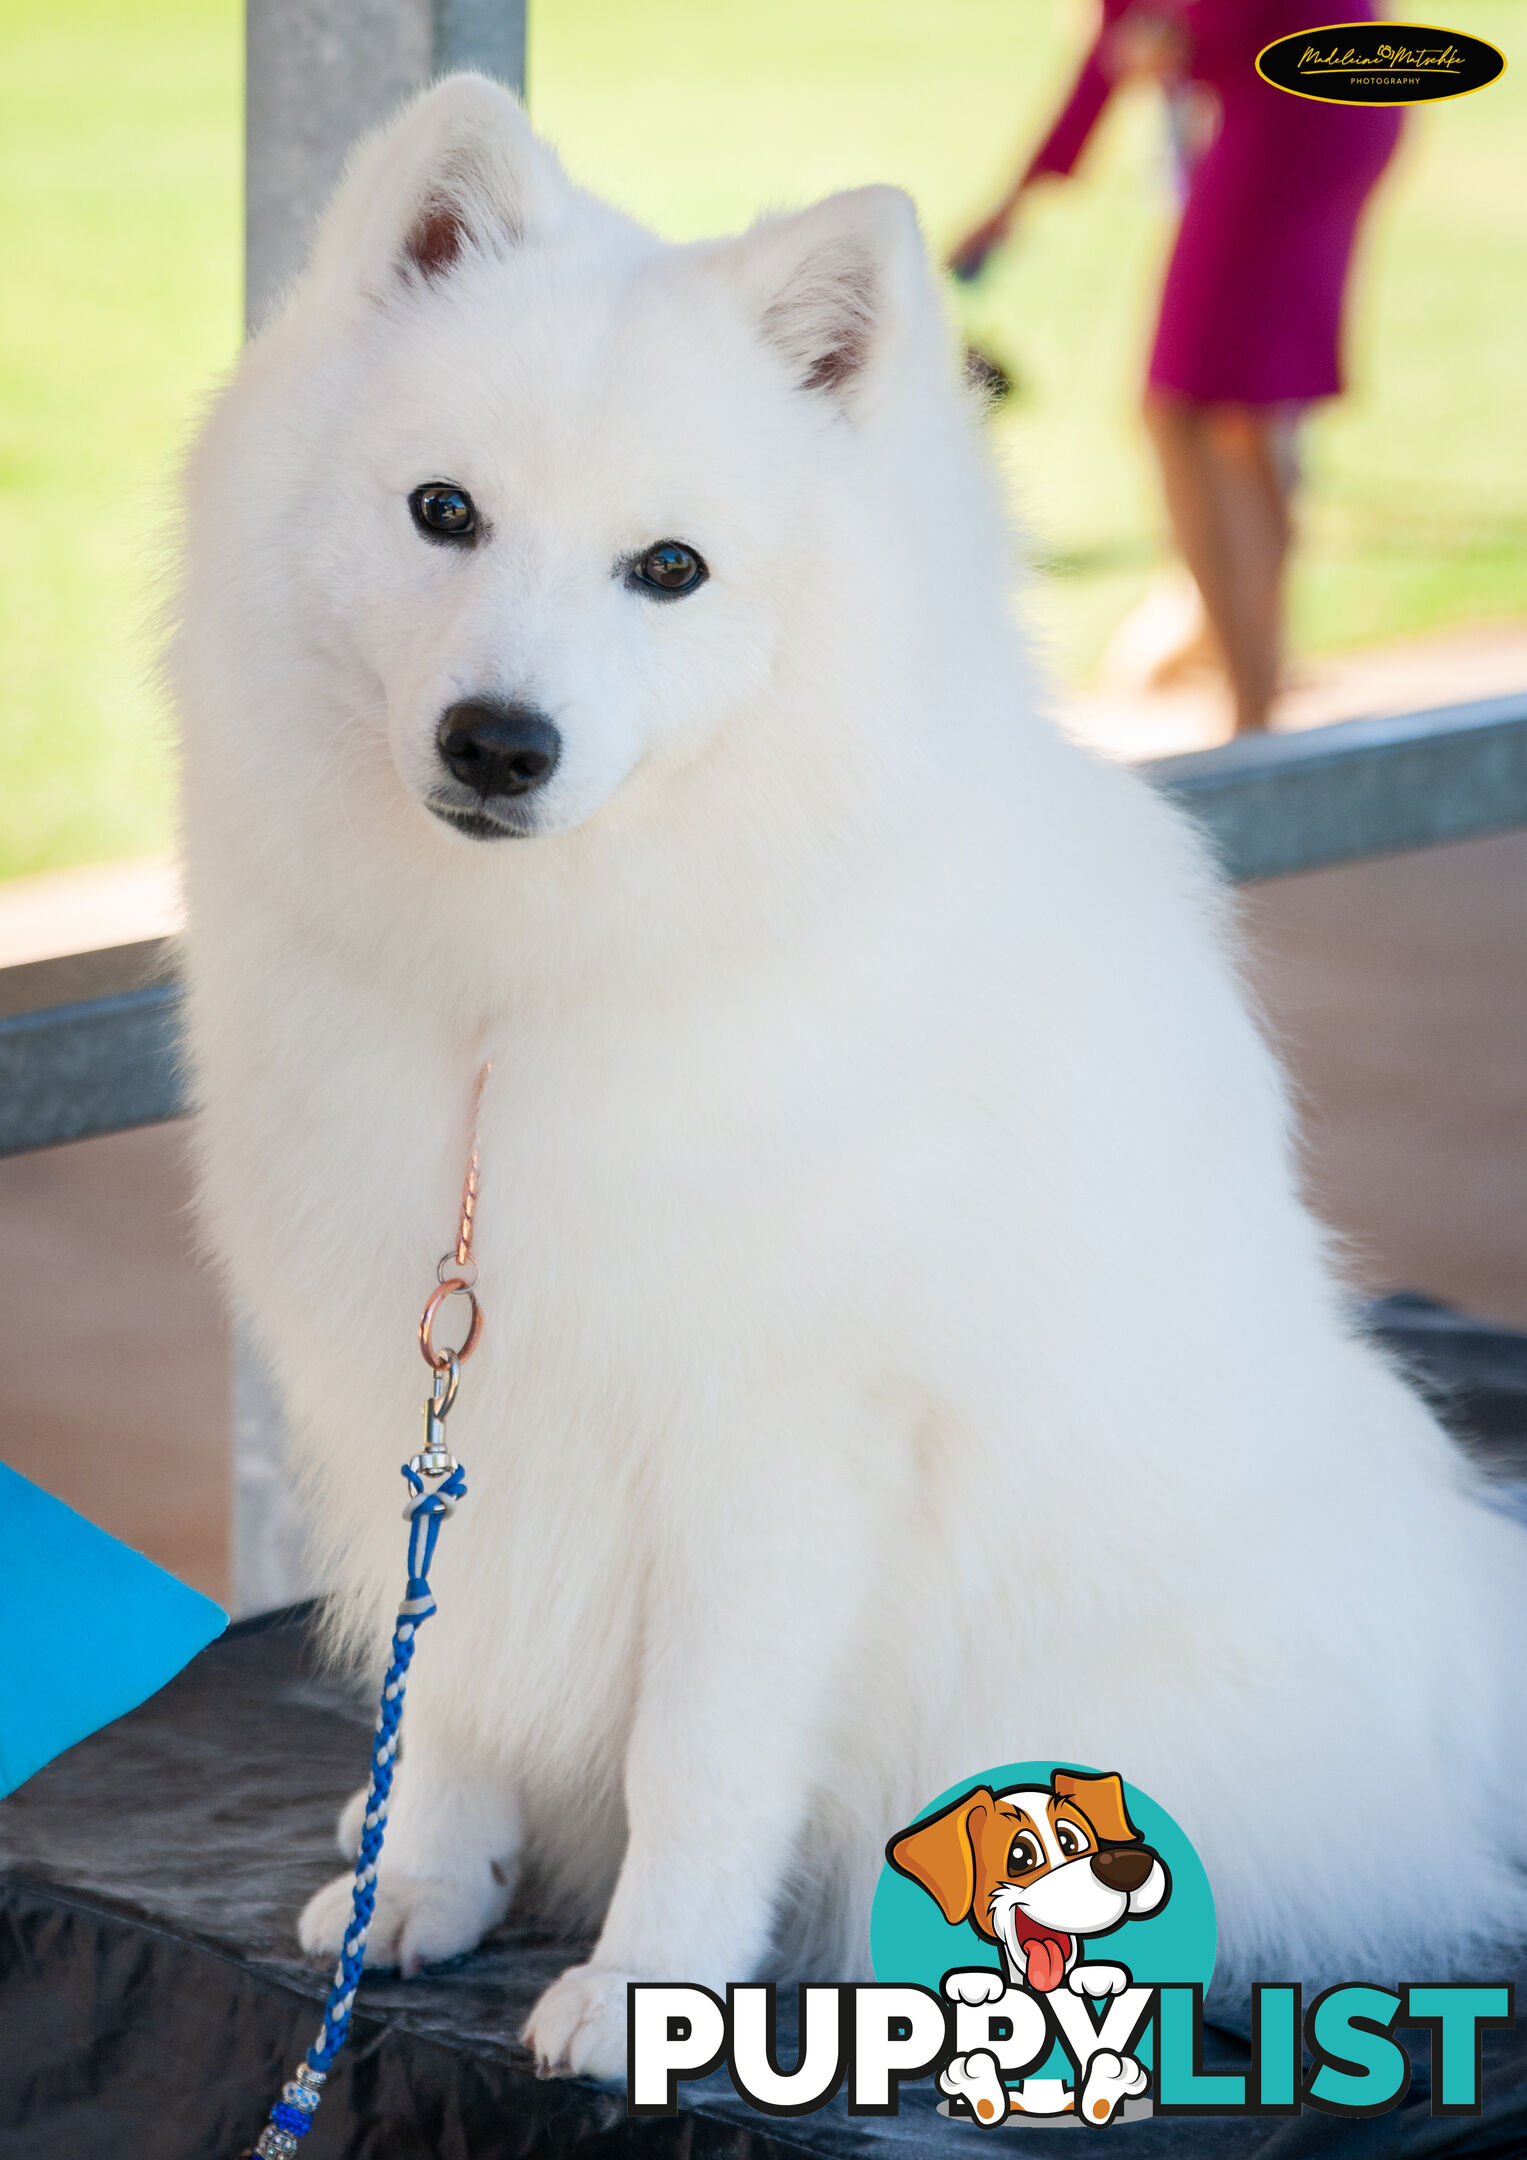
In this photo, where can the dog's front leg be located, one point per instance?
(448, 1867)
(718, 1779)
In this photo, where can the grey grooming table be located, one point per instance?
(152, 2001)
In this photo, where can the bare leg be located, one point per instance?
(1250, 453)
(1228, 474)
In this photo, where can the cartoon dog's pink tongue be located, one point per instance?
(1045, 1953)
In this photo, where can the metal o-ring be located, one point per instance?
(438, 1360)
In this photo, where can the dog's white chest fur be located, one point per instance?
(906, 1348)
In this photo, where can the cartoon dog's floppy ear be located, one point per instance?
(1101, 1800)
(939, 1855)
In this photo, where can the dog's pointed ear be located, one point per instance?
(828, 288)
(939, 1854)
(1101, 1800)
(458, 171)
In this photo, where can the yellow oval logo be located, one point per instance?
(1379, 63)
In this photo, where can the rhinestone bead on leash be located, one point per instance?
(435, 1482)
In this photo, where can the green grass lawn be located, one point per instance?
(119, 304)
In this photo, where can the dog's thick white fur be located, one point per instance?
(906, 1350)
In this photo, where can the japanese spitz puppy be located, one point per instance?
(906, 1350)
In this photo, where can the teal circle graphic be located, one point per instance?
(912, 1942)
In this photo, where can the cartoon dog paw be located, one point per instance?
(1110, 2079)
(975, 2079)
(1097, 1980)
(980, 1984)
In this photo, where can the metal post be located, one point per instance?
(488, 35)
(319, 74)
(269, 1561)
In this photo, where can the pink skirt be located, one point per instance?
(1252, 308)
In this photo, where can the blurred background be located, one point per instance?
(1395, 985)
(121, 297)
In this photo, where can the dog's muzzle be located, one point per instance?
(498, 755)
(1123, 1867)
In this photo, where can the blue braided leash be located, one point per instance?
(292, 2117)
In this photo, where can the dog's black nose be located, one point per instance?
(498, 749)
(1123, 1867)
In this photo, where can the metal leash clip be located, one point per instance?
(435, 1458)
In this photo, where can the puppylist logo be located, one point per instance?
(1042, 1938)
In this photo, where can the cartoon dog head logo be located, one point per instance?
(1034, 1869)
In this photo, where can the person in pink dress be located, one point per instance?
(1249, 332)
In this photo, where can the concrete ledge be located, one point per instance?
(89, 1044)
(1276, 803)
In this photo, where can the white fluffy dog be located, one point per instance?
(906, 1348)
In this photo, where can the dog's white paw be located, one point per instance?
(352, 1817)
(1110, 2079)
(975, 2078)
(979, 1984)
(414, 1923)
(1097, 1980)
(578, 2028)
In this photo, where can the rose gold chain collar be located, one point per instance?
(456, 1275)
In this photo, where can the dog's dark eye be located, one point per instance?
(1025, 1854)
(1068, 1838)
(667, 571)
(443, 512)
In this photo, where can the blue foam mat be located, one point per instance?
(94, 1628)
